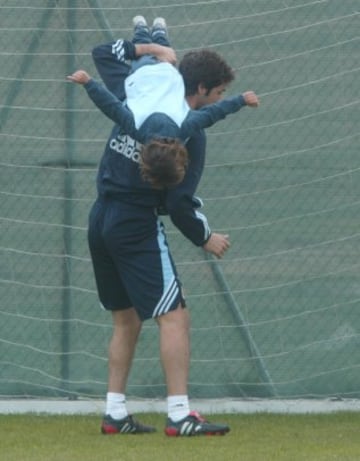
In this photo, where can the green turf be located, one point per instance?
(282, 180)
(260, 437)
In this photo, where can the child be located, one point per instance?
(156, 112)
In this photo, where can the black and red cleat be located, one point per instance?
(124, 426)
(194, 424)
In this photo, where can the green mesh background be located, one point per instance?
(279, 316)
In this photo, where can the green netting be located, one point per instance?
(279, 316)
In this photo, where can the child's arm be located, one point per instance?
(209, 115)
(107, 102)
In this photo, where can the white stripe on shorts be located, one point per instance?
(167, 299)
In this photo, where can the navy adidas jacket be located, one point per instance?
(157, 124)
(119, 174)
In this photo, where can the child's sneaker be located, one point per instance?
(139, 21)
(126, 425)
(159, 28)
(194, 424)
(159, 23)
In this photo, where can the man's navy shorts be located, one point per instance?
(131, 259)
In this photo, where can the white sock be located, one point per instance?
(116, 405)
(178, 407)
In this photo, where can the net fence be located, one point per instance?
(279, 316)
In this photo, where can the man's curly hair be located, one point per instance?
(163, 162)
(204, 67)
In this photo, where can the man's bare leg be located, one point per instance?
(127, 327)
(175, 358)
(175, 355)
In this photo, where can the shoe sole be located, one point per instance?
(111, 430)
(173, 432)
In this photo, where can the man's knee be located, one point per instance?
(178, 317)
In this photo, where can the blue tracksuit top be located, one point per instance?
(159, 124)
(118, 174)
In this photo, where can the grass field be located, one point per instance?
(256, 437)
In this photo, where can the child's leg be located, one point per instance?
(142, 35)
(141, 30)
(159, 32)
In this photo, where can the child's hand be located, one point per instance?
(251, 99)
(80, 76)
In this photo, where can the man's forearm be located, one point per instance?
(163, 53)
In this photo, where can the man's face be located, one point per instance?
(214, 95)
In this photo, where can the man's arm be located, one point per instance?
(183, 207)
(162, 53)
(111, 61)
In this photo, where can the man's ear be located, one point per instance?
(202, 90)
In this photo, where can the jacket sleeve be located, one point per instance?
(110, 61)
(112, 107)
(209, 115)
(181, 203)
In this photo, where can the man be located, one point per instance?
(135, 274)
(156, 113)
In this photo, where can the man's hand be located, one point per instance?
(217, 245)
(162, 53)
(166, 54)
(251, 99)
(80, 76)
